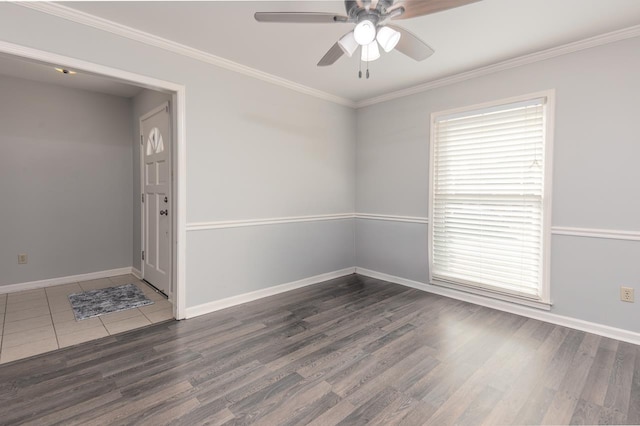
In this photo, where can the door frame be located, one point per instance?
(142, 175)
(178, 149)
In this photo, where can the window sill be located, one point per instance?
(531, 303)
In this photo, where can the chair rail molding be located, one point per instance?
(223, 224)
(610, 234)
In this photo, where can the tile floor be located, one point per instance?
(37, 321)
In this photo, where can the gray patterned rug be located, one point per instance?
(89, 304)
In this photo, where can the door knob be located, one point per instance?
(164, 212)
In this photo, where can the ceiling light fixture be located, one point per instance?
(388, 38)
(370, 52)
(65, 71)
(365, 32)
(348, 44)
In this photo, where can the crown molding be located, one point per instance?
(93, 21)
(542, 55)
(83, 18)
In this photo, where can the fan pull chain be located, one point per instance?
(360, 64)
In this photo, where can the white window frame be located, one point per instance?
(544, 300)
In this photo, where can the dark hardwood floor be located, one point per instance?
(349, 351)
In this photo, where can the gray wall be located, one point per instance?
(254, 150)
(596, 181)
(142, 103)
(65, 181)
(247, 259)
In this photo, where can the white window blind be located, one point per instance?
(487, 199)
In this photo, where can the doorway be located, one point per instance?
(177, 220)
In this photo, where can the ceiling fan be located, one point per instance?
(372, 27)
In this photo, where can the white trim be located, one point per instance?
(599, 40)
(555, 230)
(610, 234)
(392, 218)
(544, 94)
(587, 326)
(494, 295)
(223, 224)
(93, 21)
(217, 305)
(136, 273)
(200, 226)
(180, 173)
(179, 162)
(50, 282)
(78, 64)
(547, 188)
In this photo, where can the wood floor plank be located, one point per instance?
(523, 385)
(395, 412)
(335, 414)
(585, 413)
(570, 388)
(620, 382)
(633, 415)
(370, 408)
(597, 383)
(353, 350)
(478, 409)
(296, 405)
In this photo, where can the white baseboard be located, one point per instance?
(136, 273)
(228, 302)
(33, 285)
(587, 326)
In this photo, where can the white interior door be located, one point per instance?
(155, 132)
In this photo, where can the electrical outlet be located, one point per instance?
(22, 259)
(626, 294)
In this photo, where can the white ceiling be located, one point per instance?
(45, 73)
(464, 38)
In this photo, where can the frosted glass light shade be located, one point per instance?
(348, 44)
(365, 32)
(388, 38)
(370, 52)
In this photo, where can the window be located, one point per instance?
(490, 204)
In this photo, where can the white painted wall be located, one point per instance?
(596, 177)
(65, 181)
(254, 150)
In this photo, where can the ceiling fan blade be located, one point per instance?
(411, 45)
(413, 8)
(350, 4)
(331, 56)
(299, 17)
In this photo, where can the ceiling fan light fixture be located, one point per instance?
(370, 52)
(348, 44)
(388, 38)
(365, 32)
